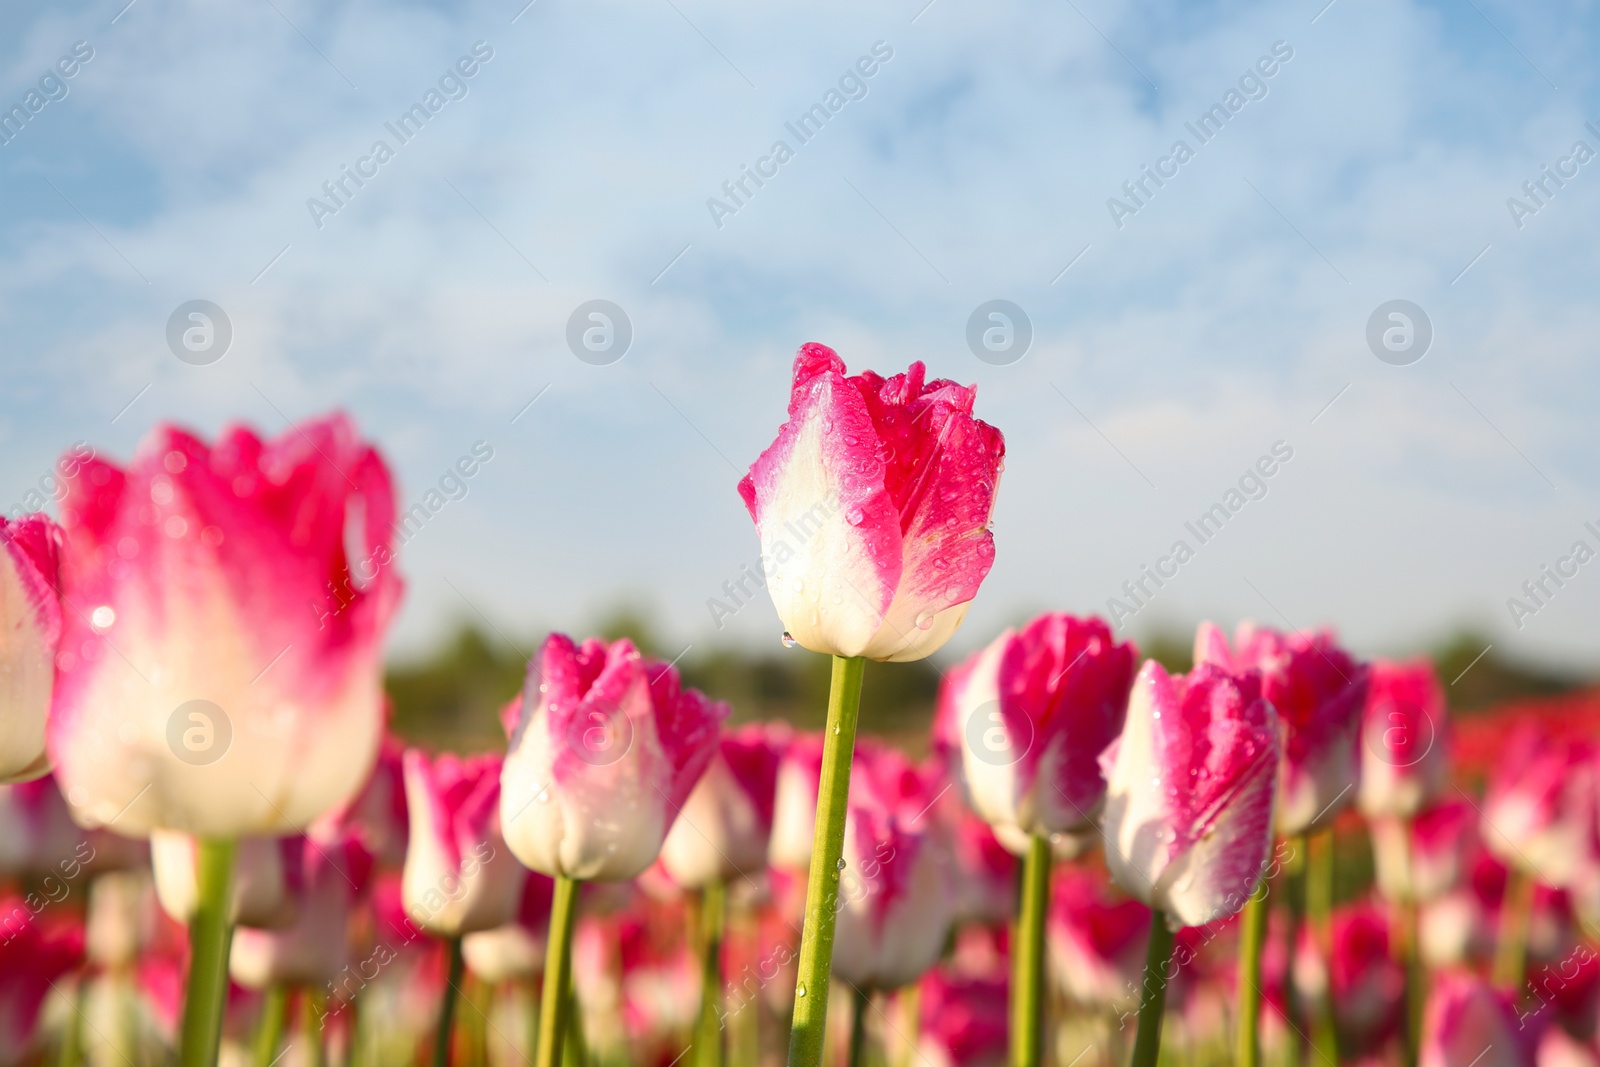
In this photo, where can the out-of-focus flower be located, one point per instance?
(1469, 1023)
(324, 878)
(1318, 690)
(1191, 782)
(219, 673)
(123, 916)
(1540, 808)
(516, 949)
(794, 806)
(725, 825)
(1366, 987)
(1404, 762)
(1036, 708)
(894, 895)
(459, 875)
(30, 634)
(605, 748)
(964, 1021)
(985, 871)
(34, 954)
(1568, 989)
(260, 897)
(1097, 940)
(377, 814)
(1421, 859)
(873, 509)
(1557, 1048)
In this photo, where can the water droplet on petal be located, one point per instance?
(788, 640)
(854, 516)
(925, 620)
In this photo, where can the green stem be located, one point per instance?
(72, 1032)
(447, 1005)
(312, 1008)
(210, 937)
(1516, 915)
(557, 973)
(1027, 958)
(858, 1025)
(531, 996)
(911, 1019)
(576, 1048)
(1153, 992)
(1252, 938)
(1416, 982)
(274, 1017)
(1319, 915)
(806, 1036)
(708, 1037)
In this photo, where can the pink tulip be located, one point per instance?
(794, 805)
(34, 955)
(1469, 1023)
(459, 876)
(1036, 708)
(964, 1021)
(1558, 1049)
(873, 509)
(605, 749)
(1421, 859)
(1366, 987)
(1404, 764)
(30, 633)
(894, 895)
(1097, 940)
(515, 950)
(323, 878)
(985, 871)
(1318, 691)
(219, 670)
(260, 895)
(1566, 991)
(377, 813)
(1539, 812)
(723, 831)
(1191, 781)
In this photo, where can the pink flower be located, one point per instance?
(377, 813)
(985, 870)
(1469, 1023)
(605, 749)
(219, 670)
(794, 806)
(723, 830)
(1191, 781)
(515, 950)
(1421, 859)
(1037, 708)
(458, 874)
(964, 1021)
(873, 509)
(1097, 940)
(1403, 760)
(33, 956)
(1539, 811)
(30, 632)
(1368, 986)
(323, 879)
(1318, 691)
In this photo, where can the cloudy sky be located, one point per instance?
(1177, 335)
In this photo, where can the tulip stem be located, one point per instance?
(313, 1007)
(860, 1000)
(1516, 915)
(274, 1017)
(1153, 992)
(806, 1035)
(1027, 960)
(1252, 939)
(708, 1037)
(557, 972)
(447, 1004)
(210, 937)
(72, 1032)
(1319, 916)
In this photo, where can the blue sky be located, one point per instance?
(1170, 353)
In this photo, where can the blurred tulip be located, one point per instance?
(873, 509)
(1318, 691)
(985, 870)
(1097, 940)
(459, 876)
(1559, 1049)
(1036, 708)
(1568, 989)
(1366, 987)
(376, 814)
(1404, 763)
(725, 825)
(1469, 1023)
(123, 915)
(794, 804)
(36, 829)
(1539, 812)
(214, 603)
(606, 748)
(34, 955)
(30, 634)
(963, 1021)
(516, 949)
(260, 897)
(324, 878)
(1421, 859)
(1191, 782)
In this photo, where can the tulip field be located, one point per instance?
(217, 848)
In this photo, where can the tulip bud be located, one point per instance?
(605, 749)
(1404, 764)
(323, 878)
(794, 806)
(1469, 1023)
(1318, 691)
(1539, 811)
(1420, 859)
(873, 509)
(30, 633)
(260, 897)
(1364, 984)
(964, 1021)
(1190, 787)
(724, 827)
(220, 675)
(1036, 708)
(1097, 940)
(458, 877)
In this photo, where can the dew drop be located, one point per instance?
(788, 640)
(836, 729)
(854, 516)
(840, 864)
(925, 620)
(800, 990)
